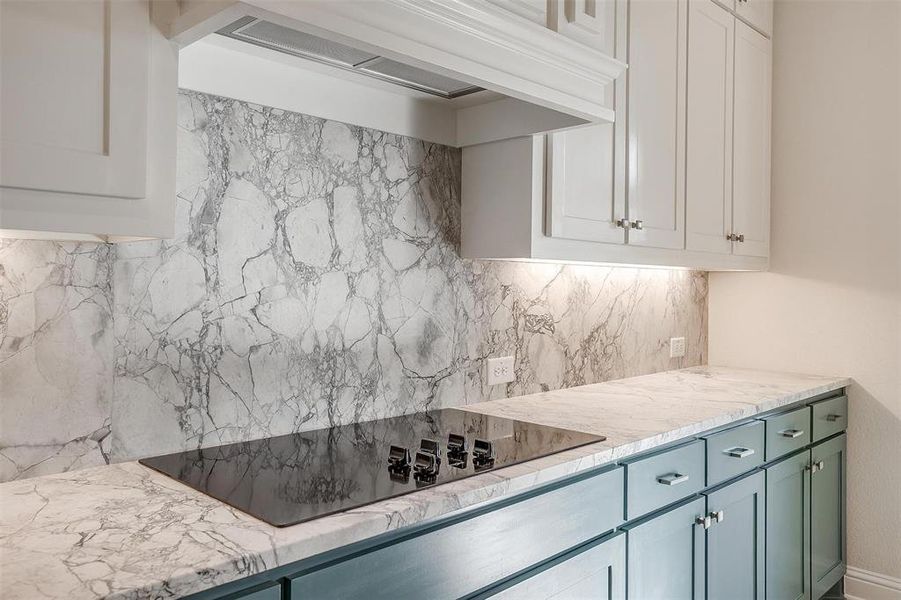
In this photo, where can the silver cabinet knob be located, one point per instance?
(638, 224)
(741, 237)
(833, 417)
(624, 223)
(717, 515)
(704, 521)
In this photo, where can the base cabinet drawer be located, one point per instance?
(460, 557)
(787, 432)
(734, 451)
(661, 479)
(596, 571)
(829, 417)
(735, 539)
(665, 555)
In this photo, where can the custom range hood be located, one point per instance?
(456, 72)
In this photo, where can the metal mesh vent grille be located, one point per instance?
(425, 80)
(298, 43)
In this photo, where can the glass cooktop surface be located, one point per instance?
(293, 478)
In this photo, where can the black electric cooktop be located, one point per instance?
(294, 478)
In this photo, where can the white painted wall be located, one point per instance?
(830, 303)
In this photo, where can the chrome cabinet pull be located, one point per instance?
(791, 433)
(815, 466)
(831, 417)
(704, 521)
(731, 237)
(741, 237)
(717, 515)
(638, 224)
(624, 223)
(672, 479)
(739, 452)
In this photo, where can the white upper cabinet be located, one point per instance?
(709, 160)
(65, 129)
(751, 142)
(582, 204)
(586, 21)
(87, 120)
(656, 123)
(728, 164)
(680, 179)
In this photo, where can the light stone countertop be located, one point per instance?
(124, 531)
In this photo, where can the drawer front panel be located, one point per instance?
(597, 572)
(787, 432)
(829, 417)
(664, 478)
(461, 557)
(734, 451)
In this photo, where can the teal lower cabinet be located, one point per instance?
(788, 528)
(705, 518)
(666, 553)
(735, 539)
(596, 571)
(827, 514)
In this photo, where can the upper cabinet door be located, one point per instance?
(751, 159)
(74, 96)
(581, 200)
(709, 131)
(590, 22)
(656, 122)
(758, 13)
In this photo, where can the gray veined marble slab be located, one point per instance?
(123, 531)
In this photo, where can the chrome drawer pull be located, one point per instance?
(672, 479)
(704, 521)
(718, 515)
(739, 452)
(832, 417)
(792, 433)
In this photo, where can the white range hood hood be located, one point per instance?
(455, 72)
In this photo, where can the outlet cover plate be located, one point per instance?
(500, 370)
(677, 347)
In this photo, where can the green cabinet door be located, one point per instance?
(827, 514)
(788, 528)
(665, 555)
(735, 539)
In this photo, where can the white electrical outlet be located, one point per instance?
(677, 347)
(500, 370)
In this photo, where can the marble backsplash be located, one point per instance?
(314, 279)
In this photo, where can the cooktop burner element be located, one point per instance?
(294, 478)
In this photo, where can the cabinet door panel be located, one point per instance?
(656, 122)
(758, 13)
(827, 514)
(582, 204)
(709, 132)
(596, 571)
(751, 142)
(666, 555)
(74, 111)
(735, 545)
(787, 528)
